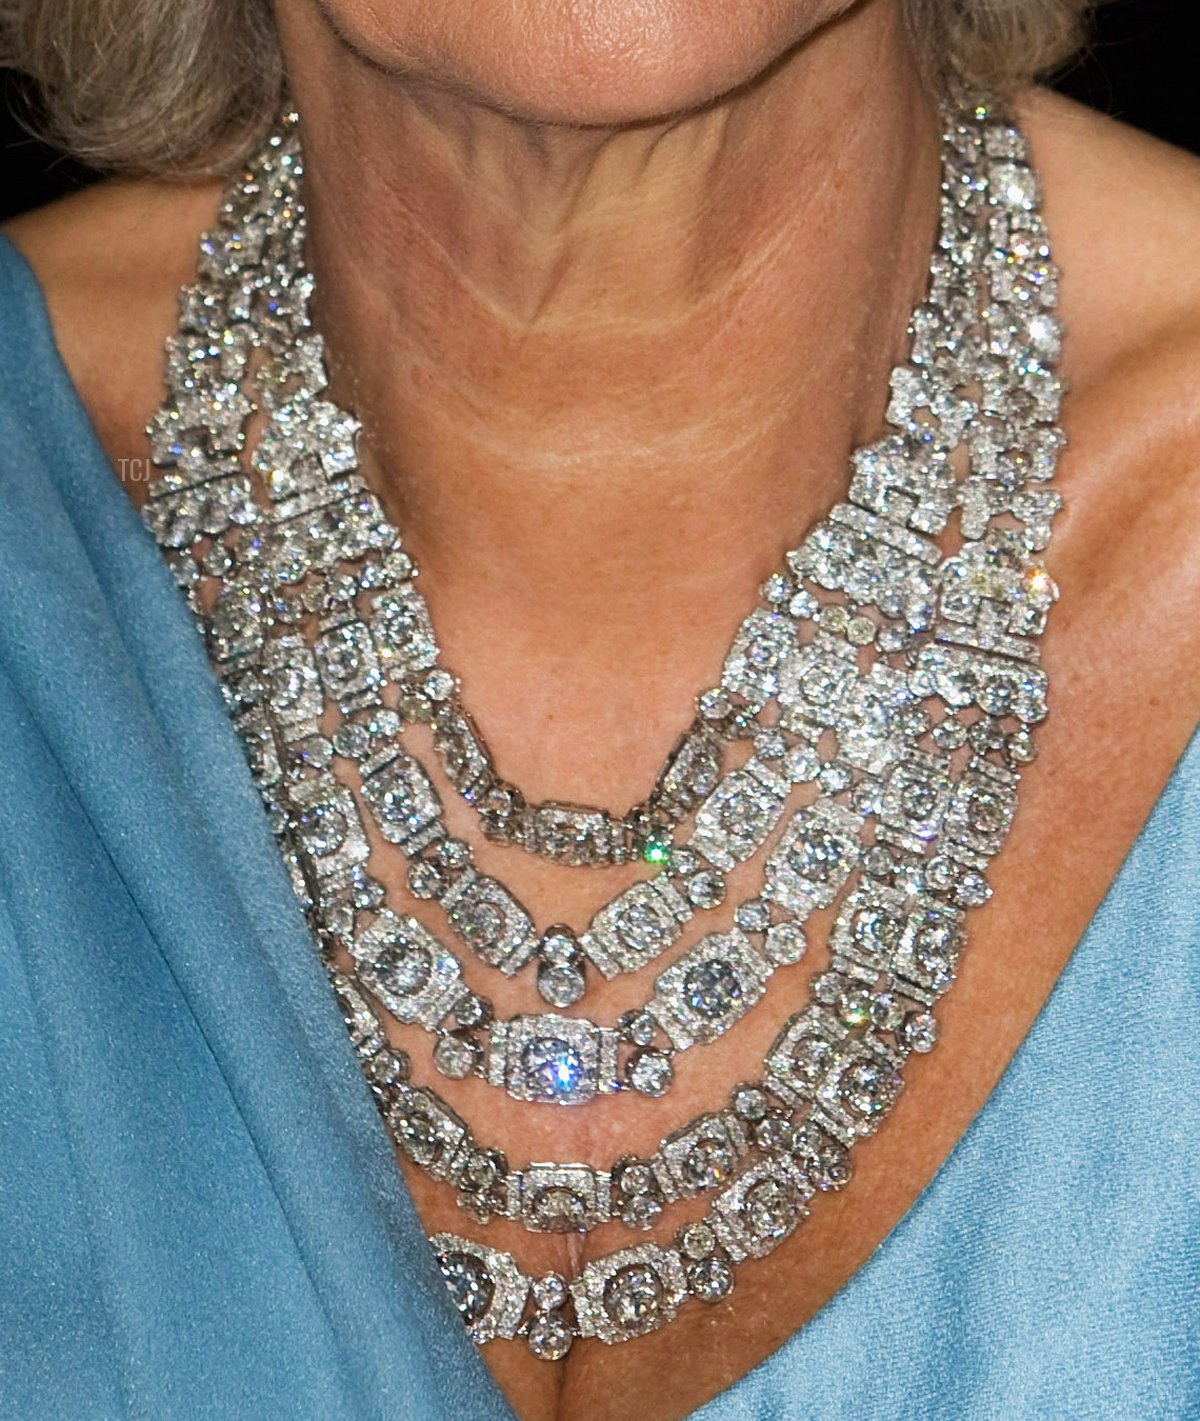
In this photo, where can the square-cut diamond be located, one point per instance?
(712, 986)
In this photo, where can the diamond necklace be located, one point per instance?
(916, 752)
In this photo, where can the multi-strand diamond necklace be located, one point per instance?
(881, 697)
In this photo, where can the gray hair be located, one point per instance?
(185, 87)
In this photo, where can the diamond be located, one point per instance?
(919, 1031)
(552, 1068)
(785, 943)
(712, 989)
(549, 1292)
(470, 1284)
(634, 1299)
(706, 890)
(549, 1337)
(869, 1087)
(455, 1057)
(710, 1279)
(561, 986)
(697, 1240)
(651, 1072)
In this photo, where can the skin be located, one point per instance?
(614, 289)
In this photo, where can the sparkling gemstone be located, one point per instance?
(389, 1067)
(753, 916)
(706, 890)
(770, 745)
(809, 1056)
(480, 922)
(425, 879)
(322, 830)
(697, 1240)
(549, 1292)
(769, 1208)
(712, 989)
(641, 1211)
(855, 1007)
(470, 1284)
(816, 855)
(552, 1067)
(749, 1103)
(560, 986)
(637, 1027)
(479, 1172)
(405, 967)
(886, 1010)
(773, 1133)
(708, 1162)
(439, 685)
(559, 947)
(710, 1279)
(802, 764)
(549, 1337)
(472, 1010)
(827, 988)
(455, 1057)
(651, 1072)
(785, 943)
(641, 929)
(352, 741)
(870, 1087)
(559, 1210)
(635, 1177)
(714, 704)
(634, 1298)
(417, 1137)
(656, 851)
(919, 1031)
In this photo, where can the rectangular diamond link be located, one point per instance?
(325, 818)
(403, 631)
(699, 1156)
(737, 818)
(636, 927)
(712, 986)
(427, 1130)
(347, 663)
(691, 771)
(815, 855)
(490, 921)
(405, 966)
(600, 1308)
(292, 686)
(762, 645)
(403, 799)
(560, 1198)
(761, 1208)
(552, 1059)
(816, 682)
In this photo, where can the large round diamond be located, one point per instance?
(634, 1298)
(712, 989)
(404, 967)
(552, 1067)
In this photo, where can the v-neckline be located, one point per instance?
(306, 991)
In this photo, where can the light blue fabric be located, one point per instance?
(200, 1216)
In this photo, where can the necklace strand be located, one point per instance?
(920, 668)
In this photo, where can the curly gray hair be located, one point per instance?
(159, 86)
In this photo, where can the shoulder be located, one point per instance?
(1123, 212)
(110, 260)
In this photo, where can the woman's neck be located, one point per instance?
(611, 373)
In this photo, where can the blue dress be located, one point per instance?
(200, 1214)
